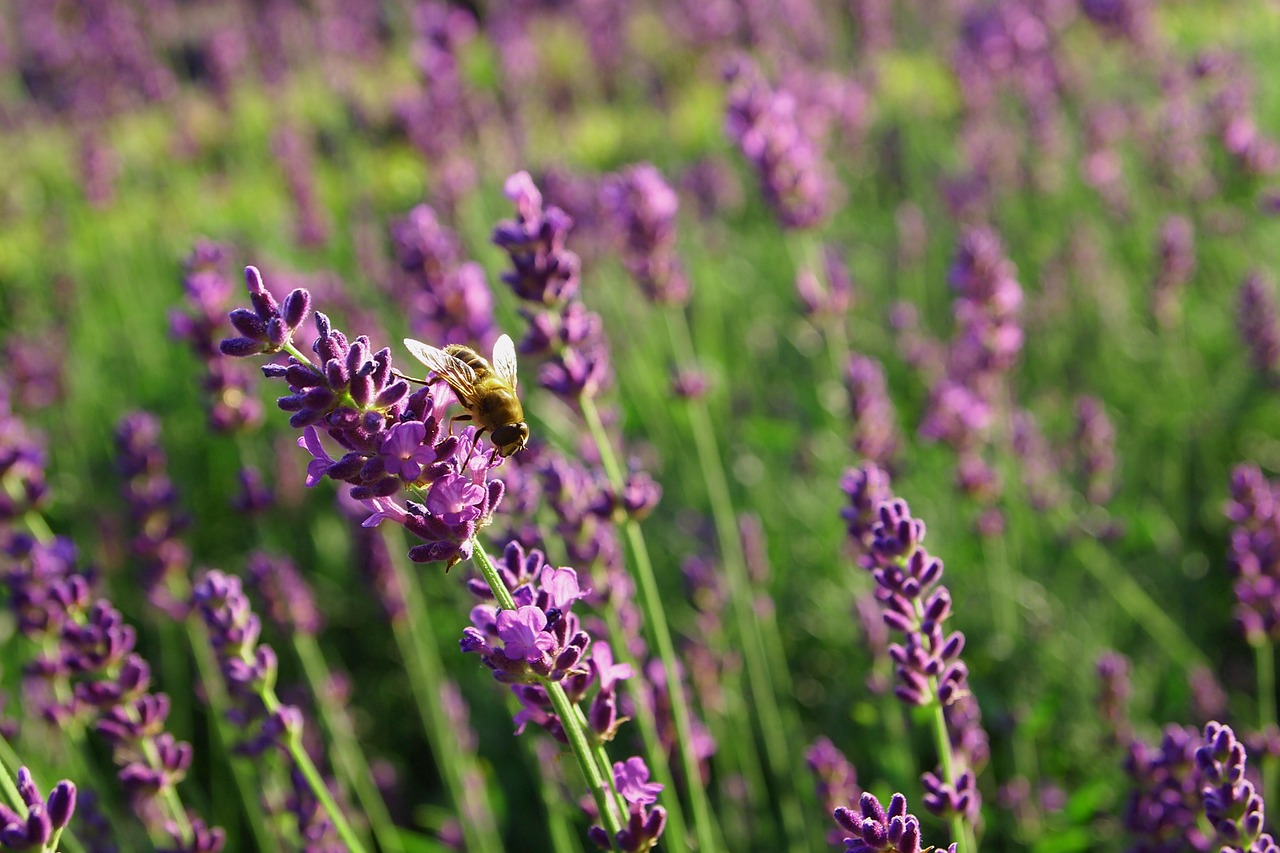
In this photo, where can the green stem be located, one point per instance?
(349, 758)
(1266, 663)
(656, 619)
(647, 723)
(246, 782)
(961, 829)
(598, 779)
(421, 655)
(764, 683)
(318, 787)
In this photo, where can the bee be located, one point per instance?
(487, 391)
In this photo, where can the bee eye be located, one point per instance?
(508, 435)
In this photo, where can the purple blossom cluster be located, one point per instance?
(875, 829)
(967, 398)
(395, 442)
(643, 207)
(161, 556)
(90, 673)
(927, 663)
(875, 431)
(545, 274)
(231, 401)
(543, 641)
(1253, 553)
(1177, 264)
(437, 117)
(1164, 803)
(764, 123)
(1232, 804)
(835, 778)
(43, 821)
(1095, 440)
(830, 295)
(1258, 322)
(446, 297)
(249, 669)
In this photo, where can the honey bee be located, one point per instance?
(487, 391)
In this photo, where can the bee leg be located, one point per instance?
(474, 445)
(457, 418)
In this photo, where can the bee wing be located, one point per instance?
(455, 371)
(504, 360)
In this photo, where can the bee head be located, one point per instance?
(510, 438)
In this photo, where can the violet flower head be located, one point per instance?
(875, 829)
(43, 819)
(395, 441)
(290, 602)
(643, 208)
(546, 274)
(230, 399)
(875, 433)
(447, 298)
(1259, 325)
(644, 825)
(544, 271)
(927, 664)
(22, 464)
(765, 124)
(540, 640)
(1253, 553)
(1113, 695)
(162, 557)
(1232, 805)
(1095, 439)
(833, 774)
(271, 324)
(1164, 802)
(1177, 264)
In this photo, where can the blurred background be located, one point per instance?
(832, 162)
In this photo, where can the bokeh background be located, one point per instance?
(1123, 154)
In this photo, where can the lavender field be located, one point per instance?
(884, 456)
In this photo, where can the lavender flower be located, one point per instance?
(230, 399)
(290, 602)
(875, 434)
(293, 154)
(546, 274)
(927, 661)
(1231, 803)
(163, 558)
(1165, 798)
(835, 777)
(877, 830)
(1095, 444)
(1177, 265)
(447, 298)
(394, 442)
(1253, 554)
(644, 825)
(765, 125)
(44, 820)
(643, 208)
(1114, 689)
(544, 270)
(1258, 325)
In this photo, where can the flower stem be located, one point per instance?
(316, 782)
(961, 829)
(764, 681)
(348, 756)
(425, 670)
(1264, 656)
(598, 778)
(656, 619)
